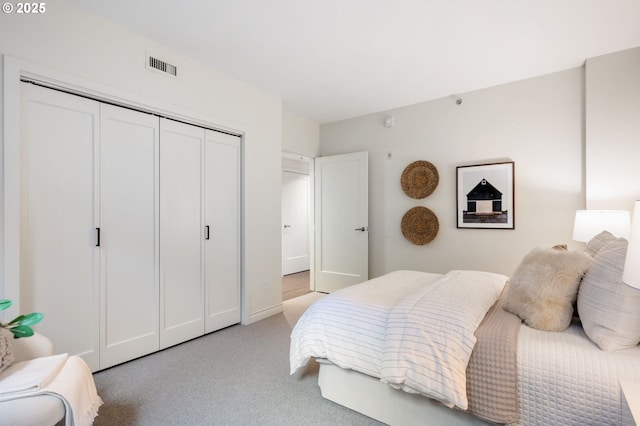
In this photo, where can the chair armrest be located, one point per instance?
(32, 347)
(42, 410)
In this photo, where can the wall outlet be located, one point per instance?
(265, 285)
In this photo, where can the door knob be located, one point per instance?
(287, 226)
(361, 229)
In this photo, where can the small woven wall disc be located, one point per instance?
(419, 179)
(419, 225)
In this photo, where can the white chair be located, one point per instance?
(39, 410)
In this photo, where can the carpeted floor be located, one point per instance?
(236, 376)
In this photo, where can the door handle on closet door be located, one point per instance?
(206, 232)
(97, 237)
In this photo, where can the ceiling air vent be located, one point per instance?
(161, 65)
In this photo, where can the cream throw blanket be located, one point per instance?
(65, 377)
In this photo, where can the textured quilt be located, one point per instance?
(492, 374)
(565, 379)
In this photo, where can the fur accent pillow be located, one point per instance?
(544, 286)
(6, 348)
(608, 308)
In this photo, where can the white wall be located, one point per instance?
(538, 123)
(72, 46)
(300, 135)
(613, 130)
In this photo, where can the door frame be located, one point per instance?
(12, 71)
(310, 210)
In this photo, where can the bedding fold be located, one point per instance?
(430, 335)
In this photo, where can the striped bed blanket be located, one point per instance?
(413, 330)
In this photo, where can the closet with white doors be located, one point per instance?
(199, 238)
(130, 227)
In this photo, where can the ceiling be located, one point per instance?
(334, 59)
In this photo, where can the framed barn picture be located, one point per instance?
(485, 196)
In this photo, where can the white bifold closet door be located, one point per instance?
(222, 214)
(58, 212)
(129, 226)
(199, 231)
(181, 233)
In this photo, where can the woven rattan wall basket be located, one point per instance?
(419, 225)
(419, 179)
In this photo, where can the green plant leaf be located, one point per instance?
(21, 331)
(20, 325)
(29, 319)
(16, 320)
(4, 304)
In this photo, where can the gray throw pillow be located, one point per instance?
(595, 244)
(608, 308)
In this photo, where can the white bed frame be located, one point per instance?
(369, 396)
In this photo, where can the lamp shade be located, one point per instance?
(590, 223)
(631, 274)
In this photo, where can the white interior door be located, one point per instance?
(129, 234)
(341, 221)
(181, 233)
(295, 222)
(59, 258)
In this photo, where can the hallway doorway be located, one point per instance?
(297, 219)
(295, 285)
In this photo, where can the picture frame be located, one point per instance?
(485, 196)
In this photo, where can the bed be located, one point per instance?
(413, 347)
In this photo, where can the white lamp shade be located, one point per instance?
(590, 223)
(631, 275)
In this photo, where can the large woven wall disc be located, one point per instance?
(419, 179)
(419, 225)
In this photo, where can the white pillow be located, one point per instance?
(608, 308)
(544, 286)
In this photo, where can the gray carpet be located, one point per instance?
(236, 376)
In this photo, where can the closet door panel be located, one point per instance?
(222, 249)
(182, 233)
(129, 229)
(59, 260)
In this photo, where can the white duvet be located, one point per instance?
(430, 335)
(418, 339)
